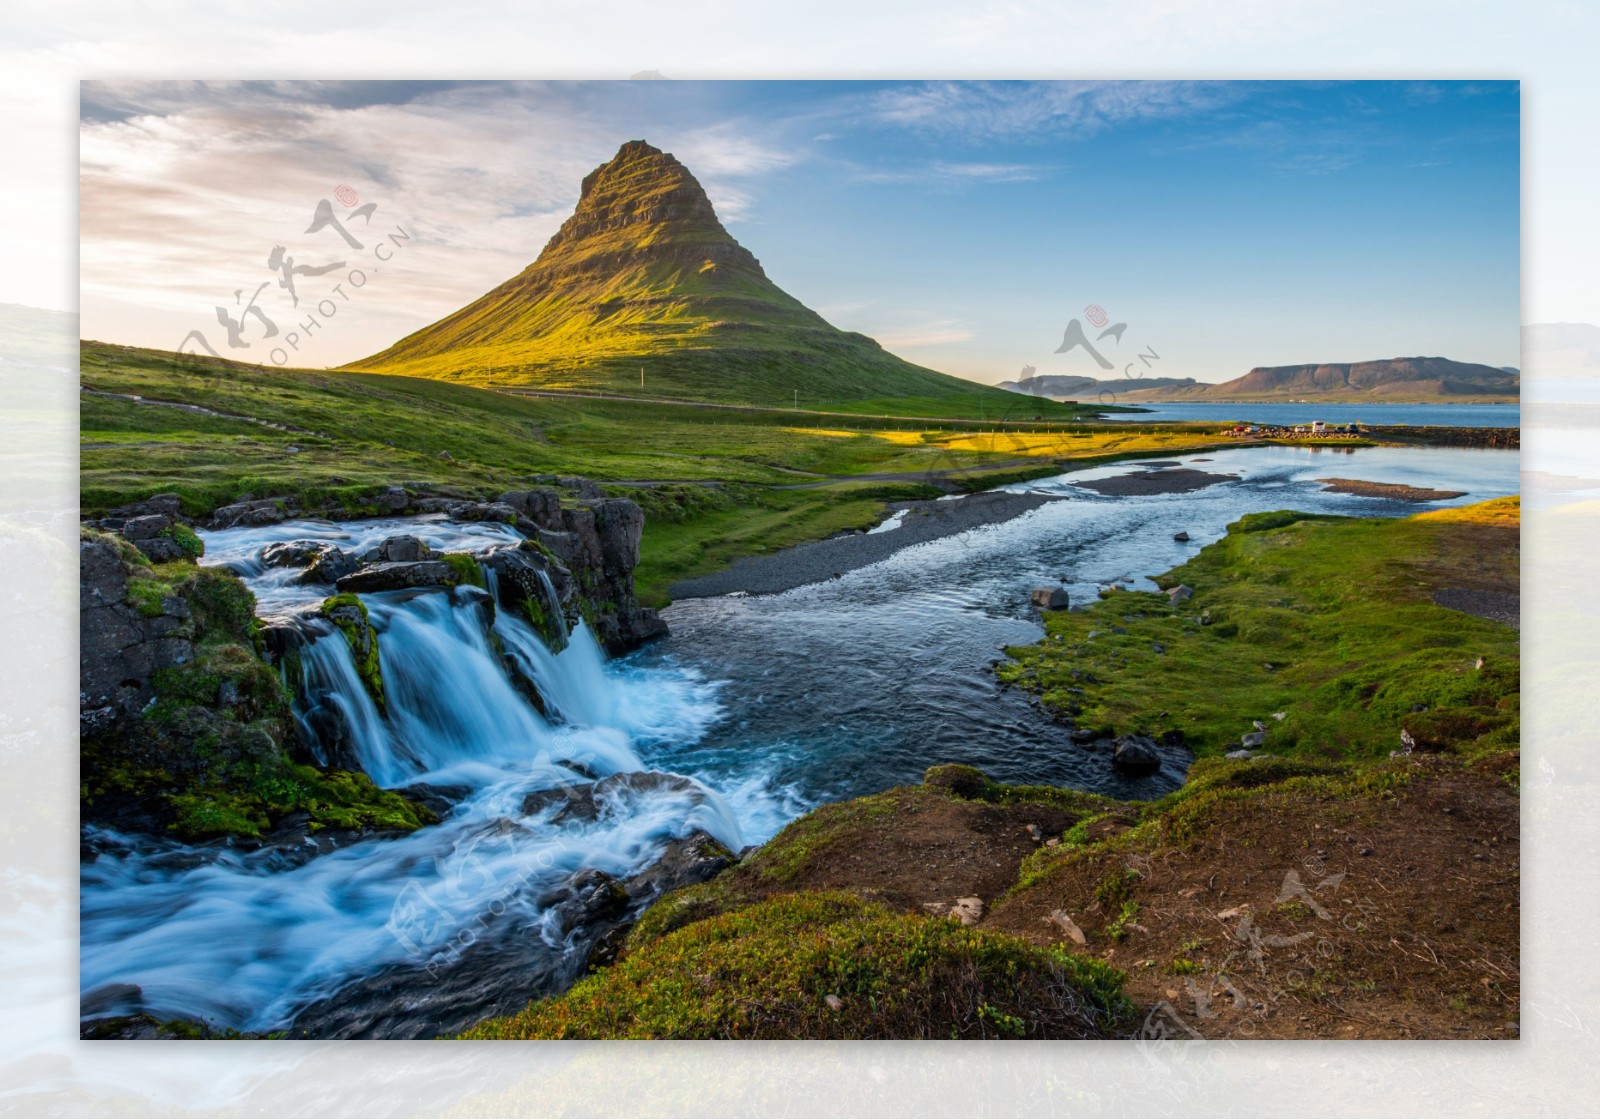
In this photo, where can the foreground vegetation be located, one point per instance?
(1333, 884)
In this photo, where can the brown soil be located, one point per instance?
(1367, 918)
(1388, 490)
(1140, 484)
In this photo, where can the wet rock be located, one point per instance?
(265, 511)
(1180, 536)
(1135, 754)
(695, 858)
(1050, 598)
(403, 549)
(330, 565)
(394, 577)
(291, 554)
(393, 499)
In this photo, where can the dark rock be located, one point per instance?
(165, 505)
(393, 577)
(160, 550)
(1050, 598)
(121, 647)
(138, 529)
(403, 549)
(542, 505)
(291, 554)
(441, 801)
(1180, 593)
(330, 565)
(1135, 754)
(1254, 739)
(393, 499)
(692, 859)
(1180, 536)
(265, 511)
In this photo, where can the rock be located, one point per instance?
(619, 525)
(265, 511)
(1063, 922)
(1157, 647)
(1182, 593)
(394, 577)
(1258, 725)
(166, 505)
(1254, 739)
(138, 529)
(1135, 754)
(1180, 536)
(967, 911)
(1084, 735)
(120, 646)
(393, 499)
(445, 457)
(291, 554)
(330, 565)
(1036, 833)
(834, 1002)
(542, 506)
(1050, 598)
(1232, 913)
(692, 859)
(1237, 754)
(161, 549)
(401, 549)
(1408, 743)
(1280, 716)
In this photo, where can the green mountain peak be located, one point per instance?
(644, 275)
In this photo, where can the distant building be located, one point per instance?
(1318, 428)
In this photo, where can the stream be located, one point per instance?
(762, 706)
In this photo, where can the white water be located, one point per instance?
(242, 943)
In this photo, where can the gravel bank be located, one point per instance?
(1144, 483)
(820, 560)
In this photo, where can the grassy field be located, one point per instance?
(721, 482)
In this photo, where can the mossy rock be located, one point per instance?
(963, 781)
(349, 614)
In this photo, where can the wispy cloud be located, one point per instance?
(1008, 109)
(947, 174)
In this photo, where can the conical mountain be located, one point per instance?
(644, 275)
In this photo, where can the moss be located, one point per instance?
(349, 614)
(829, 965)
(186, 539)
(465, 569)
(332, 799)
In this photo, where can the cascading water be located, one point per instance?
(249, 941)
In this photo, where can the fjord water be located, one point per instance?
(770, 704)
(1288, 413)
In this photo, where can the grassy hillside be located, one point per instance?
(644, 277)
(721, 482)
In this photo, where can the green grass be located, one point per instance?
(1325, 620)
(768, 972)
(335, 439)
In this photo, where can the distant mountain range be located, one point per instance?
(1390, 380)
(643, 277)
(1069, 387)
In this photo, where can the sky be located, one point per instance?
(962, 224)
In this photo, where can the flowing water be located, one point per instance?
(769, 705)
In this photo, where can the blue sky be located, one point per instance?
(1229, 224)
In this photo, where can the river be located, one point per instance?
(769, 705)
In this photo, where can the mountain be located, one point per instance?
(644, 275)
(1392, 380)
(1074, 387)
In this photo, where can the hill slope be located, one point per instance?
(644, 275)
(1394, 380)
(1079, 387)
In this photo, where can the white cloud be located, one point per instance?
(1009, 109)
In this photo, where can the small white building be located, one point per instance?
(1318, 428)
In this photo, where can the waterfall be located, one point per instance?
(239, 938)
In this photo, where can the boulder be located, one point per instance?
(1254, 739)
(402, 549)
(541, 505)
(291, 554)
(1180, 536)
(967, 911)
(692, 859)
(1135, 754)
(619, 526)
(393, 499)
(963, 781)
(264, 511)
(1179, 594)
(1050, 598)
(396, 576)
(330, 565)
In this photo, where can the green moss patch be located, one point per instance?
(828, 965)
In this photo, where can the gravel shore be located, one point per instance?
(1144, 483)
(820, 560)
(1388, 490)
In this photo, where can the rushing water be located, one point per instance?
(769, 704)
(1289, 413)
